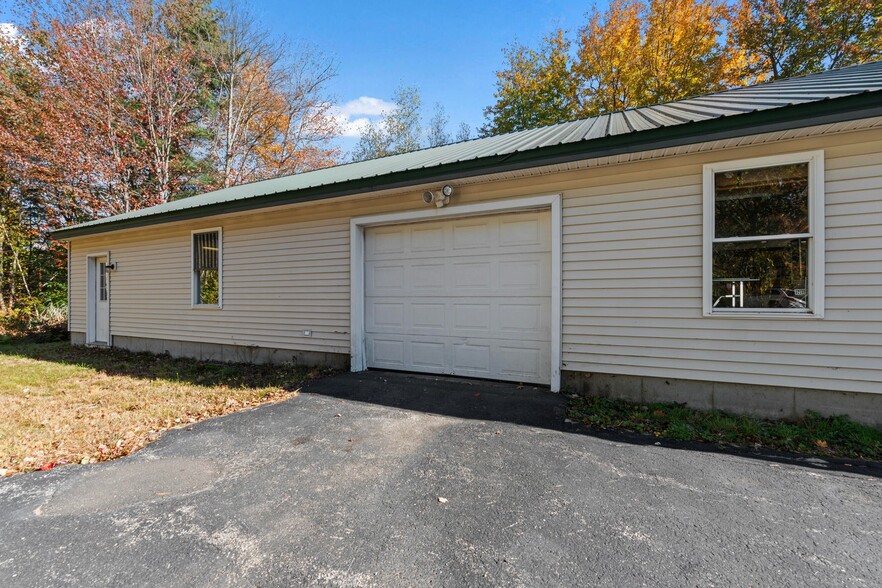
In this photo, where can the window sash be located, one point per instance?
(814, 237)
(205, 251)
(781, 237)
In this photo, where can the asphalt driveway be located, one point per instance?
(434, 482)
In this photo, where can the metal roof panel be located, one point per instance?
(734, 102)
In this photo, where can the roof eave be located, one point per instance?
(855, 107)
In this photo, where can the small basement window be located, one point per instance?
(207, 248)
(764, 236)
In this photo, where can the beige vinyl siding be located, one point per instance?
(284, 271)
(632, 279)
(632, 284)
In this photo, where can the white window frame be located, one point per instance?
(815, 236)
(194, 286)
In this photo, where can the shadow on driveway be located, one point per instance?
(529, 405)
(464, 398)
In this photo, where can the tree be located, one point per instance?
(111, 105)
(119, 102)
(642, 52)
(683, 51)
(398, 131)
(28, 260)
(536, 88)
(437, 134)
(270, 114)
(794, 37)
(635, 53)
(608, 74)
(401, 129)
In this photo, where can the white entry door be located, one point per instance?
(100, 307)
(469, 297)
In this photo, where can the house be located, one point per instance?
(723, 250)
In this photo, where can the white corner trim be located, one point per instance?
(357, 226)
(817, 249)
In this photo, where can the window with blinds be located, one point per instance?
(206, 268)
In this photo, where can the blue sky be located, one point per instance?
(449, 50)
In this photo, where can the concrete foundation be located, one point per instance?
(225, 353)
(763, 401)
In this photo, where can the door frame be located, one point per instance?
(92, 295)
(357, 228)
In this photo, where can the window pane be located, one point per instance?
(102, 281)
(763, 201)
(205, 249)
(208, 290)
(761, 274)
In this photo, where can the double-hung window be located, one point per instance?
(207, 268)
(764, 236)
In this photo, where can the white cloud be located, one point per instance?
(353, 127)
(9, 30)
(354, 116)
(368, 106)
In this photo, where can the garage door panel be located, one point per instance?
(386, 241)
(428, 315)
(470, 317)
(386, 277)
(427, 276)
(525, 319)
(519, 231)
(483, 358)
(522, 274)
(529, 275)
(471, 275)
(520, 363)
(427, 239)
(464, 297)
(388, 352)
(472, 359)
(430, 355)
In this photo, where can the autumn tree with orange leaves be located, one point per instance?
(795, 37)
(271, 116)
(641, 52)
(108, 106)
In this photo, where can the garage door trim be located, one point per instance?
(356, 269)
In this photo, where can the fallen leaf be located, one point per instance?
(821, 443)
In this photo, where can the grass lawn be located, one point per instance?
(812, 434)
(61, 404)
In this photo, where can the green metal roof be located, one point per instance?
(844, 94)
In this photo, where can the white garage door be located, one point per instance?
(469, 297)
